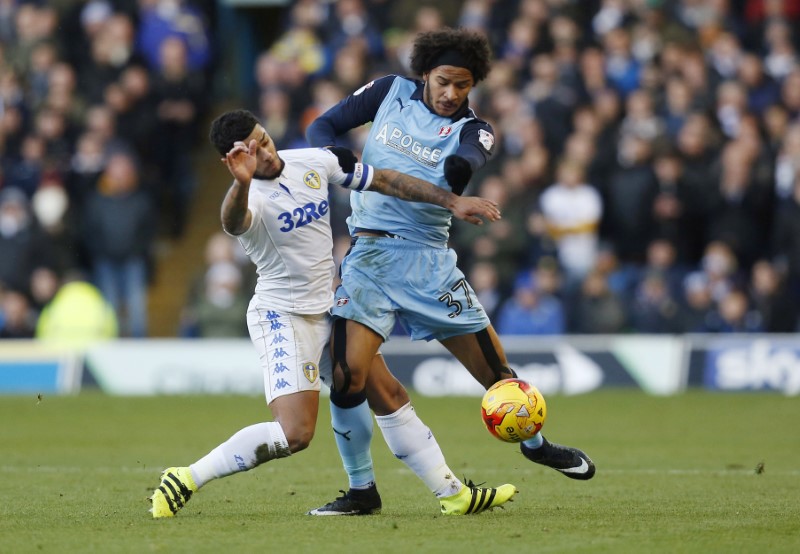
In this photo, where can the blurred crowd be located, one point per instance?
(647, 152)
(100, 107)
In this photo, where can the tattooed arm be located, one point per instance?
(406, 187)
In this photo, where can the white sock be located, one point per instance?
(414, 444)
(248, 448)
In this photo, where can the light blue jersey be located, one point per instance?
(413, 278)
(410, 138)
(406, 136)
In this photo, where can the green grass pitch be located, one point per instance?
(699, 472)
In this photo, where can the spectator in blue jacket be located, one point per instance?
(531, 311)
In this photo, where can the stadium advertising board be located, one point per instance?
(562, 365)
(746, 362)
(28, 367)
(180, 366)
(573, 365)
(565, 366)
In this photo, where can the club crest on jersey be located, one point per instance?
(312, 180)
(486, 139)
(446, 130)
(310, 371)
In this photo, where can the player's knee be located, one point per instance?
(387, 397)
(301, 442)
(349, 379)
(358, 378)
(351, 364)
(298, 436)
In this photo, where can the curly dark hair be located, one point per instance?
(230, 127)
(472, 46)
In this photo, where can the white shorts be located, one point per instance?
(291, 349)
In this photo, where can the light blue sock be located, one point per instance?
(534, 442)
(352, 428)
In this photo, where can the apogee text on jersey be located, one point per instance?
(408, 145)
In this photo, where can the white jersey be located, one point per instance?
(289, 239)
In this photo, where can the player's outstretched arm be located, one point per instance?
(241, 162)
(470, 208)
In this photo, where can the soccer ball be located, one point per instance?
(513, 410)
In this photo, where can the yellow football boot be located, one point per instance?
(175, 490)
(473, 499)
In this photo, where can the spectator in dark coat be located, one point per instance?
(770, 297)
(654, 309)
(631, 191)
(762, 90)
(735, 216)
(597, 309)
(25, 172)
(17, 318)
(786, 241)
(698, 310)
(734, 315)
(21, 241)
(180, 103)
(118, 231)
(695, 149)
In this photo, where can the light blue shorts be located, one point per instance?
(386, 278)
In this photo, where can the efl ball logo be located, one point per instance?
(444, 131)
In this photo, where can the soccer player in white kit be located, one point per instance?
(278, 209)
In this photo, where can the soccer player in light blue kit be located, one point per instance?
(400, 268)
